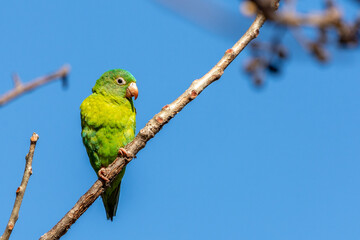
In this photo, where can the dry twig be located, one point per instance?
(21, 88)
(328, 21)
(21, 189)
(328, 17)
(152, 128)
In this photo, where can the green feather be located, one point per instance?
(108, 123)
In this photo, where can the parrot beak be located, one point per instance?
(132, 91)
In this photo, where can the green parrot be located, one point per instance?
(108, 123)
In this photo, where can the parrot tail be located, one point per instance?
(111, 199)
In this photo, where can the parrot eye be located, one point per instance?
(120, 81)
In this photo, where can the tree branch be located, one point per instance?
(152, 128)
(21, 88)
(329, 17)
(21, 189)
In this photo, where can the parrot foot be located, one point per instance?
(122, 152)
(102, 172)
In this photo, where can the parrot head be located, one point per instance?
(117, 83)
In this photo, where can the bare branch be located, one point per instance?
(21, 88)
(289, 17)
(152, 128)
(21, 189)
(329, 17)
(328, 21)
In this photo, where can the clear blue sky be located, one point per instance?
(281, 163)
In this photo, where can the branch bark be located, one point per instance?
(152, 128)
(329, 17)
(21, 88)
(21, 189)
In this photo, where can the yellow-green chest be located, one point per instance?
(107, 124)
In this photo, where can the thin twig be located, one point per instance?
(153, 127)
(289, 17)
(21, 189)
(326, 18)
(21, 88)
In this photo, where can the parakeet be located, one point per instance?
(108, 123)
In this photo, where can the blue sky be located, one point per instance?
(237, 163)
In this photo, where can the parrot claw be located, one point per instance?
(122, 152)
(102, 172)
